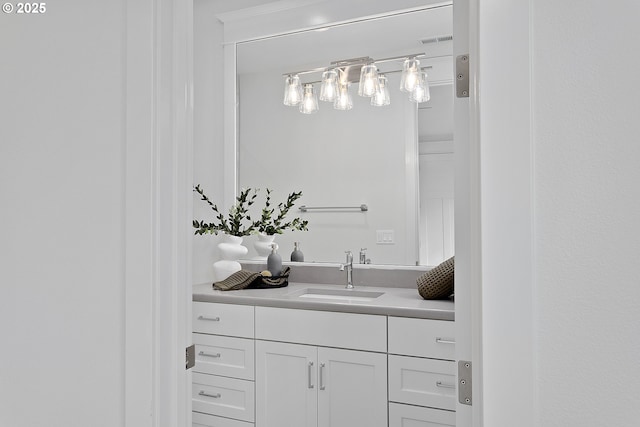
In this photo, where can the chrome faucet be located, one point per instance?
(349, 266)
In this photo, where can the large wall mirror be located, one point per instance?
(395, 159)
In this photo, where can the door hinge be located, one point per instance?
(190, 356)
(462, 76)
(464, 382)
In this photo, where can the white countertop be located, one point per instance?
(403, 302)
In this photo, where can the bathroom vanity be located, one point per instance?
(319, 355)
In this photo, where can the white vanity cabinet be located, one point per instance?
(422, 375)
(307, 385)
(287, 367)
(223, 388)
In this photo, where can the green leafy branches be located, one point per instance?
(236, 223)
(270, 225)
(238, 220)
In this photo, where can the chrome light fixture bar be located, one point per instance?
(339, 75)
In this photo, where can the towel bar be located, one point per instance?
(362, 208)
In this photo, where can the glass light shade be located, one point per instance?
(329, 88)
(410, 75)
(368, 80)
(309, 104)
(292, 91)
(381, 97)
(421, 92)
(343, 100)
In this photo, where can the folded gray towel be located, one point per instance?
(238, 280)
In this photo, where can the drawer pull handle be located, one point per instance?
(215, 396)
(310, 367)
(213, 319)
(444, 341)
(444, 385)
(202, 353)
(321, 376)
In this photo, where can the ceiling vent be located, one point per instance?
(438, 39)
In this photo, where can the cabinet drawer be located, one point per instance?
(346, 330)
(225, 397)
(223, 319)
(424, 382)
(227, 356)
(422, 337)
(206, 420)
(415, 416)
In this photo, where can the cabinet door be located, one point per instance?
(286, 388)
(352, 388)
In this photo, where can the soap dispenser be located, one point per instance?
(274, 261)
(297, 255)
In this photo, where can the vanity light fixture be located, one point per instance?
(338, 77)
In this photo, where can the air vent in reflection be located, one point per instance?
(437, 39)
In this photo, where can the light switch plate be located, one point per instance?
(385, 237)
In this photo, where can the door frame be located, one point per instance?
(158, 287)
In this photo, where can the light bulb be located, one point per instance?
(381, 97)
(410, 75)
(343, 100)
(309, 102)
(421, 92)
(329, 87)
(292, 91)
(368, 80)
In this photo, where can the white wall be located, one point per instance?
(560, 213)
(587, 205)
(62, 109)
(94, 157)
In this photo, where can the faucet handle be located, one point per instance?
(349, 257)
(363, 255)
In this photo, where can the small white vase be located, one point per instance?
(231, 250)
(263, 245)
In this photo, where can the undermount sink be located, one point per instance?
(339, 294)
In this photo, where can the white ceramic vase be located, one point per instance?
(231, 250)
(263, 245)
